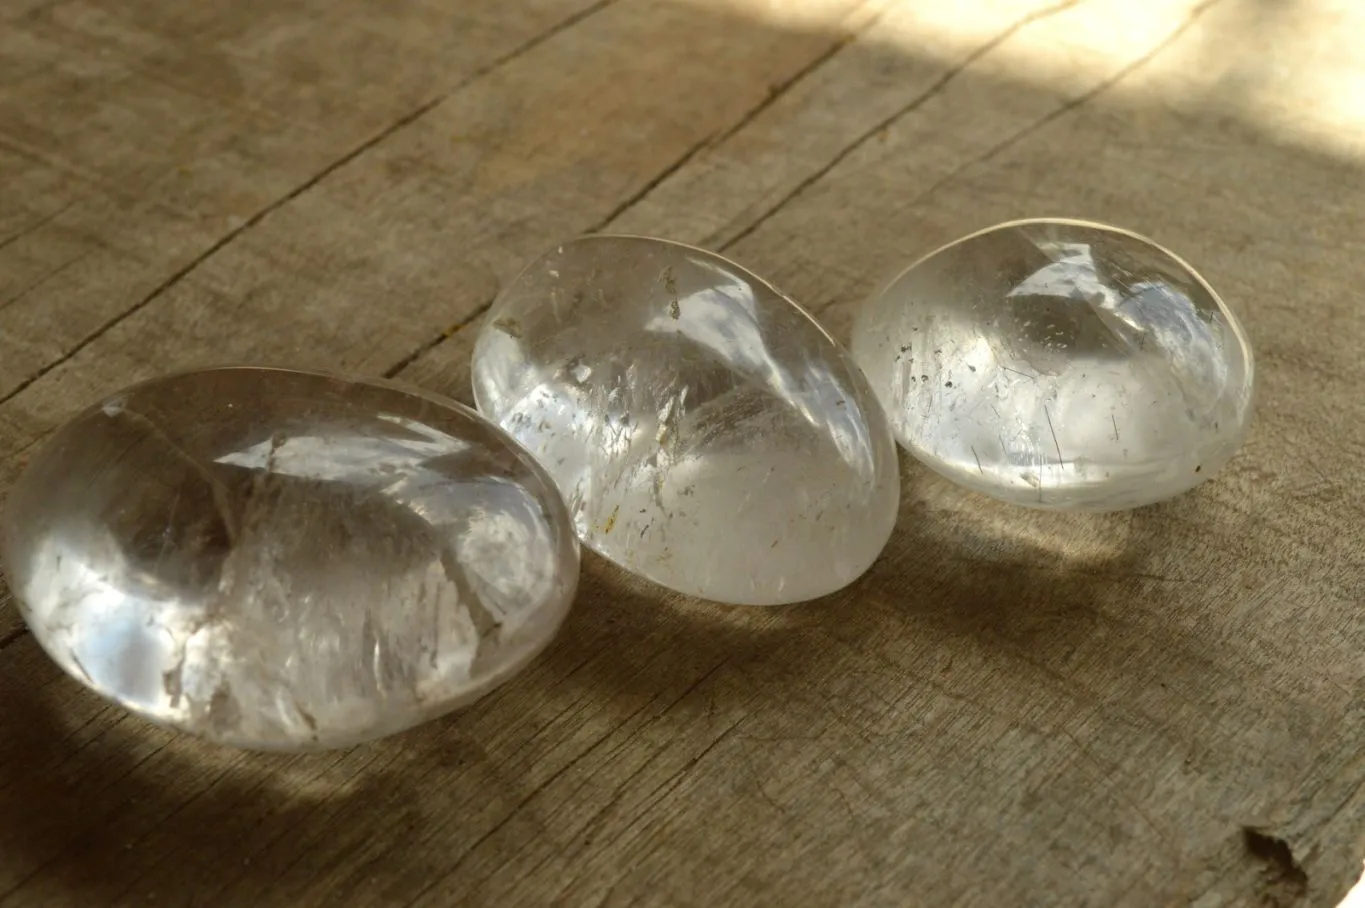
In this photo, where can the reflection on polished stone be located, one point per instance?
(284, 560)
(1059, 364)
(705, 432)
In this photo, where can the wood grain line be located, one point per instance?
(785, 85)
(397, 368)
(12, 636)
(682, 161)
(405, 120)
(679, 163)
(40, 281)
(942, 83)
(653, 183)
(1069, 106)
(556, 776)
(43, 865)
(36, 225)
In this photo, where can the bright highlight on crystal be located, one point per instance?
(285, 560)
(704, 430)
(1059, 364)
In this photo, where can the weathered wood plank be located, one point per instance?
(505, 172)
(875, 198)
(154, 135)
(358, 268)
(1011, 708)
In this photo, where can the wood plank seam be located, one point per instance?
(875, 12)
(709, 141)
(1070, 105)
(554, 777)
(36, 225)
(405, 120)
(939, 85)
(13, 635)
(677, 164)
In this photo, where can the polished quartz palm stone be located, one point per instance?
(1059, 364)
(704, 430)
(287, 561)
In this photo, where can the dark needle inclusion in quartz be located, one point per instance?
(704, 430)
(1060, 364)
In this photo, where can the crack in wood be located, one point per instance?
(403, 121)
(708, 141)
(680, 162)
(905, 110)
(12, 636)
(1069, 106)
(399, 367)
(36, 225)
(781, 88)
(555, 776)
(177, 276)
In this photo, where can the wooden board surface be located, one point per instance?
(1159, 707)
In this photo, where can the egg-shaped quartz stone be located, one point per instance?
(1059, 364)
(705, 432)
(281, 560)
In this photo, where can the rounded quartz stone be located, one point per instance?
(1059, 364)
(287, 561)
(705, 432)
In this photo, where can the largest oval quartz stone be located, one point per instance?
(284, 560)
(705, 432)
(1060, 364)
